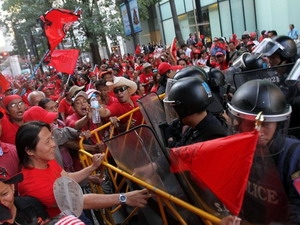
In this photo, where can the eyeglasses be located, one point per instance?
(15, 105)
(219, 56)
(121, 89)
(3, 172)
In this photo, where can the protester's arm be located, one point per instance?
(85, 172)
(134, 198)
(104, 112)
(79, 124)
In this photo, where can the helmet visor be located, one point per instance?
(170, 112)
(267, 47)
(294, 75)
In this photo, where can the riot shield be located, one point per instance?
(273, 74)
(265, 201)
(153, 112)
(294, 76)
(138, 152)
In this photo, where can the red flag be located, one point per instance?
(64, 60)
(55, 23)
(137, 50)
(4, 84)
(174, 48)
(96, 71)
(222, 164)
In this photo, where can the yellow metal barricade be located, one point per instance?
(163, 199)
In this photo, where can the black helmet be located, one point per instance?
(289, 50)
(283, 45)
(253, 62)
(191, 71)
(189, 95)
(216, 78)
(257, 96)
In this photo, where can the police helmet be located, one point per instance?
(289, 50)
(253, 62)
(216, 78)
(189, 95)
(191, 71)
(257, 96)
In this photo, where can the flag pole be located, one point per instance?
(36, 68)
(47, 52)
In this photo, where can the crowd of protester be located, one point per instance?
(62, 103)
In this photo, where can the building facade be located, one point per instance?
(219, 18)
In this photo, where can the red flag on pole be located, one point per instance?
(222, 164)
(137, 50)
(64, 60)
(174, 48)
(4, 84)
(55, 23)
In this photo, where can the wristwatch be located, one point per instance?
(122, 198)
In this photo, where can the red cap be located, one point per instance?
(5, 178)
(164, 67)
(219, 53)
(38, 113)
(49, 86)
(9, 98)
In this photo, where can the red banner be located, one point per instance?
(64, 60)
(222, 164)
(4, 84)
(174, 48)
(55, 23)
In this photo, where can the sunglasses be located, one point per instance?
(121, 89)
(219, 56)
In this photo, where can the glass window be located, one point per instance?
(165, 11)
(189, 5)
(237, 17)
(169, 30)
(180, 8)
(226, 27)
(249, 15)
(207, 2)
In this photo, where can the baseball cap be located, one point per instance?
(38, 113)
(5, 178)
(75, 89)
(164, 67)
(80, 93)
(90, 92)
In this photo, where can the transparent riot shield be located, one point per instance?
(139, 153)
(153, 112)
(265, 201)
(274, 74)
(294, 76)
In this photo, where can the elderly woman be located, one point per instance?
(36, 151)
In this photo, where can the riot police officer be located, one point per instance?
(271, 196)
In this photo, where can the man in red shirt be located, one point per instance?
(124, 90)
(147, 76)
(13, 118)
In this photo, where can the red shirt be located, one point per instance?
(65, 107)
(118, 109)
(38, 183)
(145, 78)
(71, 120)
(9, 130)
(9, 158)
